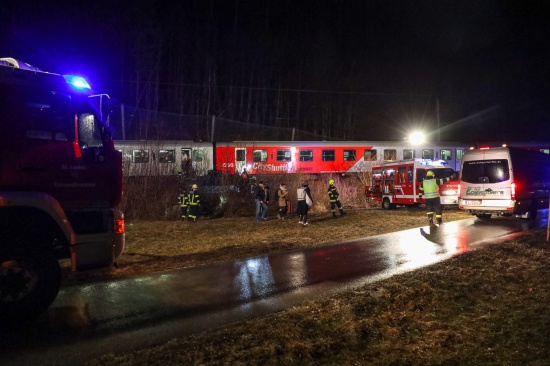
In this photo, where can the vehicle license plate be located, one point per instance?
(472, 202)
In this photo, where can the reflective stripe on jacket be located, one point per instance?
(333, 194)
(194, 199)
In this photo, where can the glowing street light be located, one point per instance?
(417, 138)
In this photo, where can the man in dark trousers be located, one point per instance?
(333, 198)
(429, 190)
(261, 203)
(183, 200)
(194, 203)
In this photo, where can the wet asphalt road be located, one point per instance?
(87, 321)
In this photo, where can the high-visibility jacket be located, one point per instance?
(333, 193)
(428, 188)
(194, 198)
(183, 199)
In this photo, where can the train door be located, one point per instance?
(186, 163)
(240, 160)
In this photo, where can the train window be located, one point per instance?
(240, 155)
(408, 154)
(370, 155)
(349, 155)
(446, 155)
(259, 156)
(167, 156)
(328, 155)
(140, 156)
(459, 153)
(197, 155)
(283, 155)
(428, 154)
(390, 154)
(306, 155)
(546, 151)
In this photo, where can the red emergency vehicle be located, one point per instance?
(60, 185)
(397, 183)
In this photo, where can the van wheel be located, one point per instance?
(387, 205)
(483, 216)
(30, 283)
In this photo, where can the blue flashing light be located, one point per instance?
(427, 162)
(77, 82)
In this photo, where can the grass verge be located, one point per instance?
(487, 307)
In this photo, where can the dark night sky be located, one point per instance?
(485, 61)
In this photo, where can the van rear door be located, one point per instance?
(486, 180)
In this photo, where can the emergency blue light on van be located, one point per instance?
(77, 82)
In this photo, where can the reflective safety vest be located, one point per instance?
(429, 186)
(333, 194)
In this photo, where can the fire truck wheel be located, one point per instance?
(387, 205)
(29, 283)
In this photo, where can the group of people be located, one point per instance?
(189, 203)
(304, 198)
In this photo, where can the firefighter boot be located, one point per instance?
(333, 214)
(439, 220)
(342, 212)
(430, 218)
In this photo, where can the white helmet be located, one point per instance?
(194, 186)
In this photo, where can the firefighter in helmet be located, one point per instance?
(194, 202)
(429, 190)
(333, 198)
(183, 200)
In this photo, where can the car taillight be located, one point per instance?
(513, 191)
(119, 226)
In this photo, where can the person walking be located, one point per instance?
(281, 201)
(194, 202)
(429, 190)
(183, 200)
(261, 203)
(304, 203)
(333, 198)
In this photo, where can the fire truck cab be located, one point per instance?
(397, 183)
(60, 185)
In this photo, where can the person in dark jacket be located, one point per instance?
(261, 202)
(333, 198)
(183, 200)
(304, 203)
(194, 203)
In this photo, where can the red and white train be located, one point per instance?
(163, 157)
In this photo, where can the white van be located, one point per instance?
(504, 181)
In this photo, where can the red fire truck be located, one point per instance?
(60, 185)
(397, 183)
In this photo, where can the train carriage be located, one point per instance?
(167, 157)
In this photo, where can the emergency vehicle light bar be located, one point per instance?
(77, 82)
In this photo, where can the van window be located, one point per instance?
(485, 171)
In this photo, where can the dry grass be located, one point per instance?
(487, 307)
